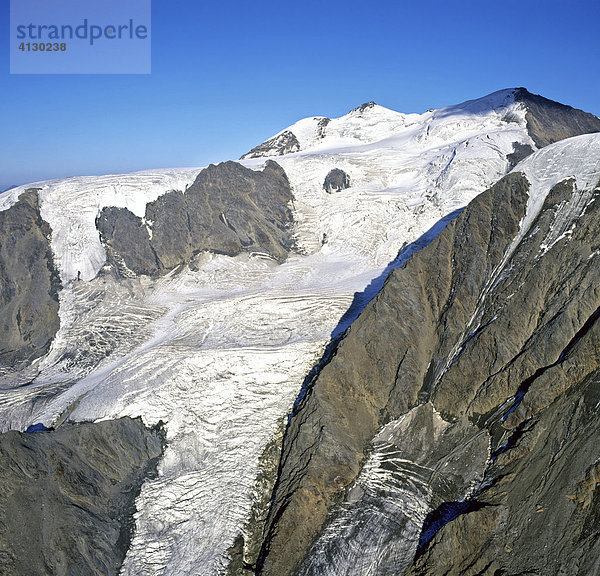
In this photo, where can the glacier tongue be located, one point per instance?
(219, 350)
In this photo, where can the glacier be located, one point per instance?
(218, 349)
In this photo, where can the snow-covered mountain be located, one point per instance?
(217, 346)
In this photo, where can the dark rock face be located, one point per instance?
(364, 107)
(228, 209)
(335, 181)
(29, 283)
(67, 496)
(549, 121)
(413, 462)
(504, 345)
(127, 240)
(520, 152)
(357, 392)
(542, 507)
(284, 143)
(322, 127)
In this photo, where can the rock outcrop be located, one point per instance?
(520, 152)
(549, 121)
(452, 429)
(322, 128)
(67, 496)
(335, 181)
(127, 240)
(364, 107)
(228, 209)
(284, 143)
(539, 512)
(29, 283)
(496, 331)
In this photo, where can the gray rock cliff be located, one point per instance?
(335, 181)
(29, 283)
(284, 143)
(67, 496)
(228, 209)
(502, 348)
(549, 121)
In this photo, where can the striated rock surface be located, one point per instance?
(401, 437)
(228, 209)
(67, 496)
(540, 508)
(127, 240)
(492, 330)
(356, 393)
(29, 283)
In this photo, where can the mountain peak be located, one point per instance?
(363, 107)
(549, 121)
(544, 120)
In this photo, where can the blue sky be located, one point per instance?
(227, 75)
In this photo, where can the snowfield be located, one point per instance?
(577, 158)
(219, 350)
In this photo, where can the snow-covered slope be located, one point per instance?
(371, 123)
(407, 171)
(577, 158)
(219, 350)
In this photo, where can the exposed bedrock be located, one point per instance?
(336, 180)
(67, 497)
(417, 462)
(541, 509)
(364, 107)
(502, 342)
(284, 143)
(549, 121)
(228, 209)
(29, 283)
(520, 151)
(127, 240)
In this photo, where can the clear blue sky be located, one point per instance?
(226, 75)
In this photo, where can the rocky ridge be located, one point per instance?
(67, 496)
(492, 331)
(226, 210)
(547, 122)
(29, 283)
(178, 352)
